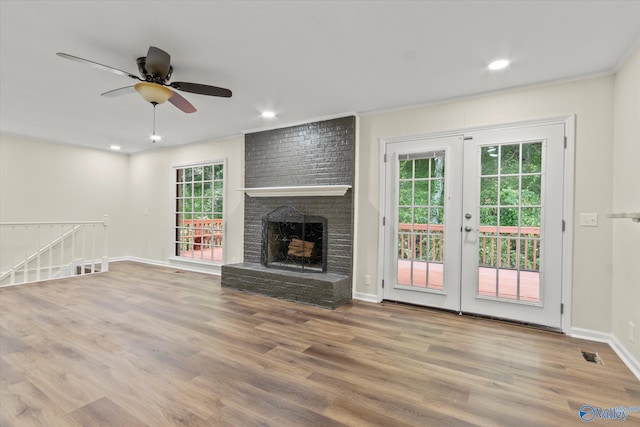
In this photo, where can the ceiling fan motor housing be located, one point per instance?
(142, 62)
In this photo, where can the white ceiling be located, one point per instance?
(303, 59)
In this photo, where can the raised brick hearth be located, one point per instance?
(324, 289)
(320, 153)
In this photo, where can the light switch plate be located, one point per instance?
(588, 219)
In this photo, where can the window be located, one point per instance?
(199, 227)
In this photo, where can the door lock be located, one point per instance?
(467, 229)
(467, 215)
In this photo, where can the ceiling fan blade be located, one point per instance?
(121, 91)
(97, 65)
(158, 62)
(202, 89)
(180, 102)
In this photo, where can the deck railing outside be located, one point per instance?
(196, 234)
(504, 247)
(35, 251)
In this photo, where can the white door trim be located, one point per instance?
(567, 203)
(568, 209)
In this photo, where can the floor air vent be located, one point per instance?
(591, 357)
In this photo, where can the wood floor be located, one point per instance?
(150, 346)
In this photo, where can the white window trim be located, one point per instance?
(207, 266)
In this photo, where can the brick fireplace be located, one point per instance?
(298, 189)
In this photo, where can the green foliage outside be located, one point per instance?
(500, 192)
(422, 191)
(510, 194)
(510, 190)
(421, 202)
(200, 192)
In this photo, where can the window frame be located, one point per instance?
(174, 211)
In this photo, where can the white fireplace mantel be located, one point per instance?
(297, 191)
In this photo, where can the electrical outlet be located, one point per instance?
(632, 331)
(589, 219)
(367, 280)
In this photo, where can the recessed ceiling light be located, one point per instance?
(115, 147)
(499, 64)
(155, 137)
(268, 114)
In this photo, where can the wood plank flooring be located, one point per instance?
(151, 346)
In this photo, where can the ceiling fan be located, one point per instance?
(154, 86)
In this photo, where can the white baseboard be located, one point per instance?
(366, 297)
(623, 353)
(589, 334)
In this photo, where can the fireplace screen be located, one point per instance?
(292, 240)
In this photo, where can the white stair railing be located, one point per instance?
(35, 251)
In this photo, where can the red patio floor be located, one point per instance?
(207, 254)
(507, 280)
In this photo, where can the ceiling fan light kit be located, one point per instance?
(153, 92)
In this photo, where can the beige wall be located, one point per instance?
(151, 189)
(41, 181)
(590, 100)
(626, 198)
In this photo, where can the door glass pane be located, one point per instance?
(421, 221)
(509, 192)
(509, 159)
(436, 216)
(489, 162)
(420, 193)
(488, 216)
(405, 216)
(420, 216)
(437, 192)
(422, 168)
(531, 190)
(532, 158)
(405, 193)
(437, 167)
(488, 191)
(406, 169)
(508, 219)
(530, 218)
(510, 211)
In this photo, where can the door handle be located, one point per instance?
(467, 229)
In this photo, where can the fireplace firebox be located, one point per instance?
(292, 240)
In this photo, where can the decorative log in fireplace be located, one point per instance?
(301, 248)
(292, 240)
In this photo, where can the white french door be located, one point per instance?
(473, 223)
(422, 223)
